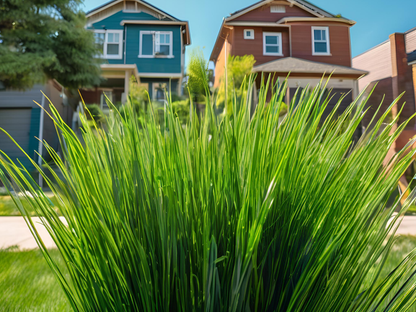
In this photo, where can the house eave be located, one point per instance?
(160, 75)
(256, 24)
(148, 5)
(181, 23)
(315, 19)
(213, 57)
(120, 67)
(318, 12)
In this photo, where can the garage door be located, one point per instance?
(17, 123)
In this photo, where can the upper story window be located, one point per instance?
(248, 33)
(156, 44)
(320, 41)
(272, 43)
(110, 43)
(278, 9)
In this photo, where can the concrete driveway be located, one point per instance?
(14, 232)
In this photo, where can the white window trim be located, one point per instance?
(327, 40)
(279, 35)
(277, 11)
(146, 32)
(248, 37)
(119, 56)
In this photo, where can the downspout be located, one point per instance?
(40, 146)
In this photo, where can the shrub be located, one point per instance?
(197, 72)
(181, 109)
(95, 112)
(239, 69)
(253, 213)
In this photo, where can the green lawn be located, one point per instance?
(27, 283)
(8, 208)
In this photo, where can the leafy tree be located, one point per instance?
(197, 72)
(238, 68)
(44, 39)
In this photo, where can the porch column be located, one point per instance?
(355, 91)
(126, 86)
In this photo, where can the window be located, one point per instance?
(320, 41)
(103, 99)
(159, 92)
(272, 44)
(99, 42)
(162, 43)
(156, 44)
(110, 43)
(278, 9)
(248, 33)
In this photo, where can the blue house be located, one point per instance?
(136, 38)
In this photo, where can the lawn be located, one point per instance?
(27, 283)
(8, 208)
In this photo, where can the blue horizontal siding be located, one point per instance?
(153, 65)
(144, 65)
(113, 21)
(33, 141)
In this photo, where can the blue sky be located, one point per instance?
(376, 19)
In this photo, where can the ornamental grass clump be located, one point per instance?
(247, 212)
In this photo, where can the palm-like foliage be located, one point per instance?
(250, 213)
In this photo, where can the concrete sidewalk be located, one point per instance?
(408, 226)
(14, 232)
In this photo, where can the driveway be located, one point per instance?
(14, 232)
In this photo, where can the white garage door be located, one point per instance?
(17, 123)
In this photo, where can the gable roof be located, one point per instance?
(145, 3)
(305, 5)
(320, 15)
(164, 18)
(296, 65)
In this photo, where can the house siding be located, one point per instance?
(15, 99)
(377, 62)
(113, 21)
(153, 65)
(339, 40)
(254, 46)
(221, 61)
(34, 133)
(410, 38)
(132, 36)
(263, 14)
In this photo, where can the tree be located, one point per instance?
(45, 39)
(197, 73)
(238, 69)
